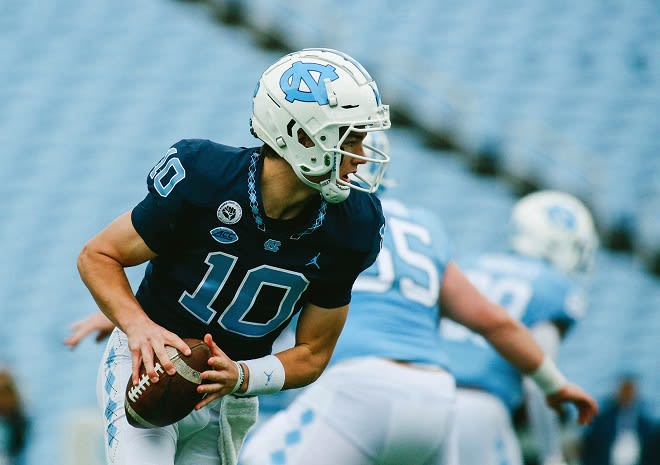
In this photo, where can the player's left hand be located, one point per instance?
(81, 329)
(221, 379)
(586, 405)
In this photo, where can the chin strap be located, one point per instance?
(333, 192)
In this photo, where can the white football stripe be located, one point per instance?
(182, 368)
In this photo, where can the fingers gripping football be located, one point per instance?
(151, 404)
(221, 377)
(148, 347)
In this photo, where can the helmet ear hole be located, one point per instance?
(304, 139)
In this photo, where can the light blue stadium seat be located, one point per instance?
(91, 99)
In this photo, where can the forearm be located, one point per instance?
(303, 365)
(317, 331)
(465, 304)
(108, 284)
(289, 369)
(516, 344)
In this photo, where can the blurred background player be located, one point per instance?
(238, 240)
(387, 398)
(13, 420)
(552, 238)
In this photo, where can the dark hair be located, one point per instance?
(268, 151)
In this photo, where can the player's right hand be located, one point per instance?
(147, 342)
(586, 405)
(222, 376)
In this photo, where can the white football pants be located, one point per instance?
(364, 411)
(210, 436)
(485, 432)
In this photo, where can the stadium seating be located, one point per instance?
(554, 94)
(585, 76)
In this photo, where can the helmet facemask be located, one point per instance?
(373, 175)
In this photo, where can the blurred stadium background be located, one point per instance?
(491, 100)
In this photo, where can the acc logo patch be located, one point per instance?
(224, 235)
(229, 212)
(304, 82)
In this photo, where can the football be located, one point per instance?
(151, 405)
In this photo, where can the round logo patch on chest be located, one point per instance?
(229, 212)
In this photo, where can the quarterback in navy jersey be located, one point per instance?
(236, 273)
(387, 397)
(238, 241)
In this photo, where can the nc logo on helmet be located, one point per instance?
(304, 82)
(561, 216)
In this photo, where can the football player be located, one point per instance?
(553, 240)
(388, 396)
(238, 241)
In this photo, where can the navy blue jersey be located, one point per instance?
(224, 268)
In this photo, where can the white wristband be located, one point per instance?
(266, 375)
(548, 377)
(241, 377)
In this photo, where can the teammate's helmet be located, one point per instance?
(326, 94)
(557, 227)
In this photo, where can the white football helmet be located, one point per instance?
(327, 94)
(557, 227)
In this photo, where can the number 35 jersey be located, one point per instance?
(224, 268)
(395, 311)
(532, 292)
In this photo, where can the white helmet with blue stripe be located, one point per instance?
(324, 95)
(557, 227)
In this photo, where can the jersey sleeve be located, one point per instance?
(335, 290)
(170, 185)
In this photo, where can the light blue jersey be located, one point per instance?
(532, 292)
(394, 310)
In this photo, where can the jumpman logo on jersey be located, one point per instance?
(268, 376)
(314, 261)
